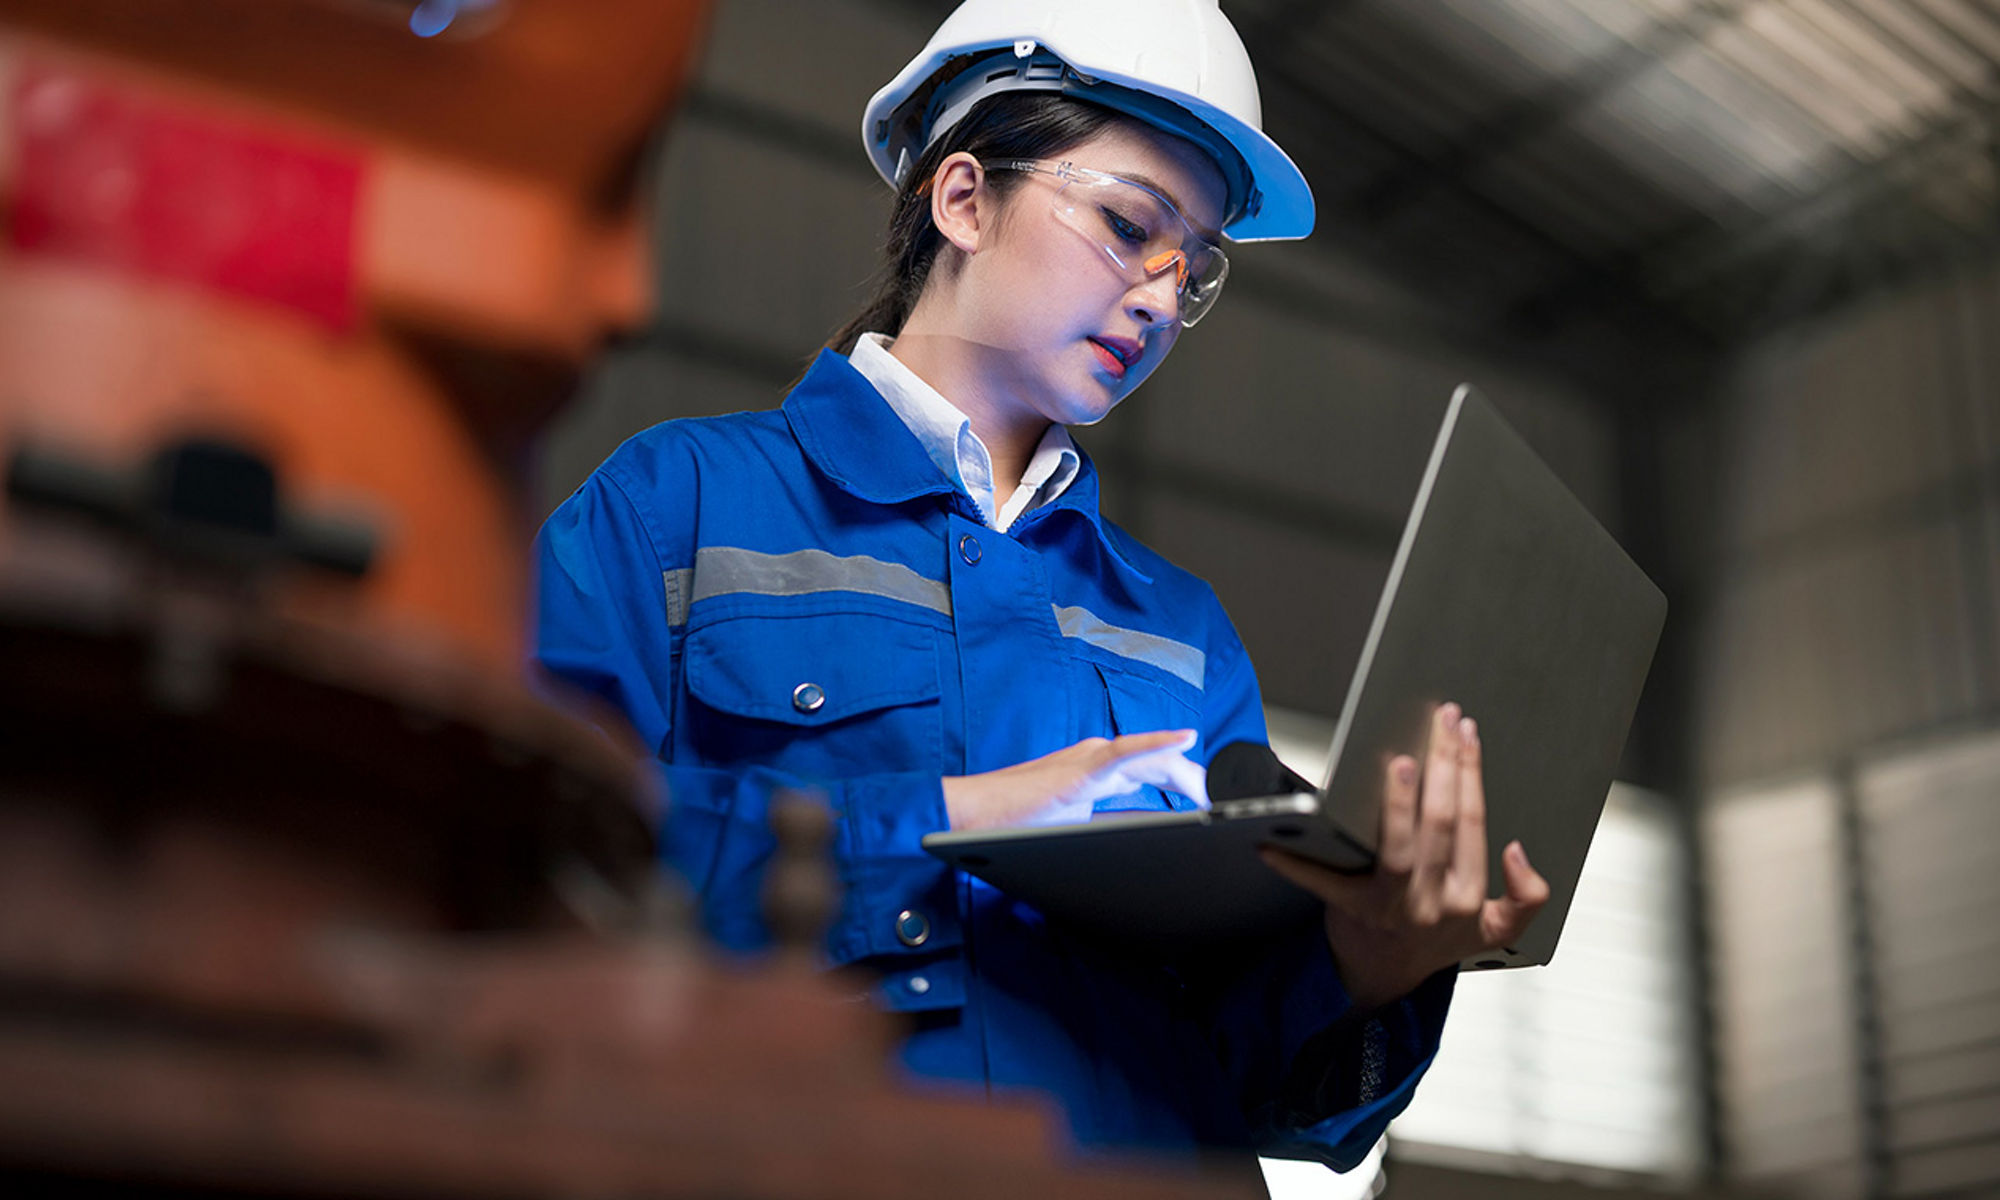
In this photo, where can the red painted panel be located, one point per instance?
(113, 178)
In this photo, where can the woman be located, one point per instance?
(897, 591)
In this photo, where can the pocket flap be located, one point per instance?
(811, 670)
(1141, 705)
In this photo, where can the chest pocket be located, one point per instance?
(1145, 704)
(826, 696)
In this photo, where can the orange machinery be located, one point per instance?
(379, 259)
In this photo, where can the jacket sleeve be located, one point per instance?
(603, 623)
(1316, 1079)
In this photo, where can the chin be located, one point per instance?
(1090, 407)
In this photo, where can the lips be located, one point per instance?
(1116, 353)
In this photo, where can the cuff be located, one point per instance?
(900, 899)
(1354, 1075)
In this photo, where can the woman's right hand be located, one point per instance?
(1063, 787)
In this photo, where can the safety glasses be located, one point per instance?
(1140, 231)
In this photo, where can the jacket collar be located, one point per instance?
(855, 439)
(1081, 498)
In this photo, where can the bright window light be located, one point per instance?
(1585, 1065)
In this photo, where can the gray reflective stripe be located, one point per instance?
(1175, 658)
(727, 570)
(678, 583)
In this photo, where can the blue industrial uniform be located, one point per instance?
(800, 599)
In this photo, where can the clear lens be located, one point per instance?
(1141, 232)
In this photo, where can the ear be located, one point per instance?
(961, 207)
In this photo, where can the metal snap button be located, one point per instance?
(968, 549)
(919, 985)
(912, 928)
(808, 697)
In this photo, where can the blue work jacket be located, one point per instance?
(800, 599)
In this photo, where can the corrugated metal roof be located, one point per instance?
(1730, 164)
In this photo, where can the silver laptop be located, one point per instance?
(1506, 596)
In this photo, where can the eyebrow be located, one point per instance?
(1136, 177)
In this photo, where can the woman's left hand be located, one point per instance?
(1424, 906)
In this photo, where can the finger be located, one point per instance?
(1397, 846)
(1189, 778)
(1465, 885)
(1128, 745)
(1503, 921)
(1437, 802)
(1168, 768)
(1331, 887)
(1135, 756)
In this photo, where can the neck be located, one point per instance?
(962, 371)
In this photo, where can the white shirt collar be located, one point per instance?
(947, 437)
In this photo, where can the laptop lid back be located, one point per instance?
(1509, 598)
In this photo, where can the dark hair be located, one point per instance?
(1012, 125)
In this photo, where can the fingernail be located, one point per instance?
(1449, 712)
(1468, 729)
(1406, 772)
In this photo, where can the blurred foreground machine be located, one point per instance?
(281, 915)
(302, 891)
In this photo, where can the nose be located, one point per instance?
(1155, 300)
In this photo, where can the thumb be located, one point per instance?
(1344, 892)
(1504, 920)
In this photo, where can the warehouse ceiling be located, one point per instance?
(1697, 171)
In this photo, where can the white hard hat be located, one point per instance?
(1176, 64)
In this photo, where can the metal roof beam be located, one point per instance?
(1546, 107)
(1275, 52)
(1693, 261)
(1699, 254)
(1701, 240)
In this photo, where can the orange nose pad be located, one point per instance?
(1169, 258)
